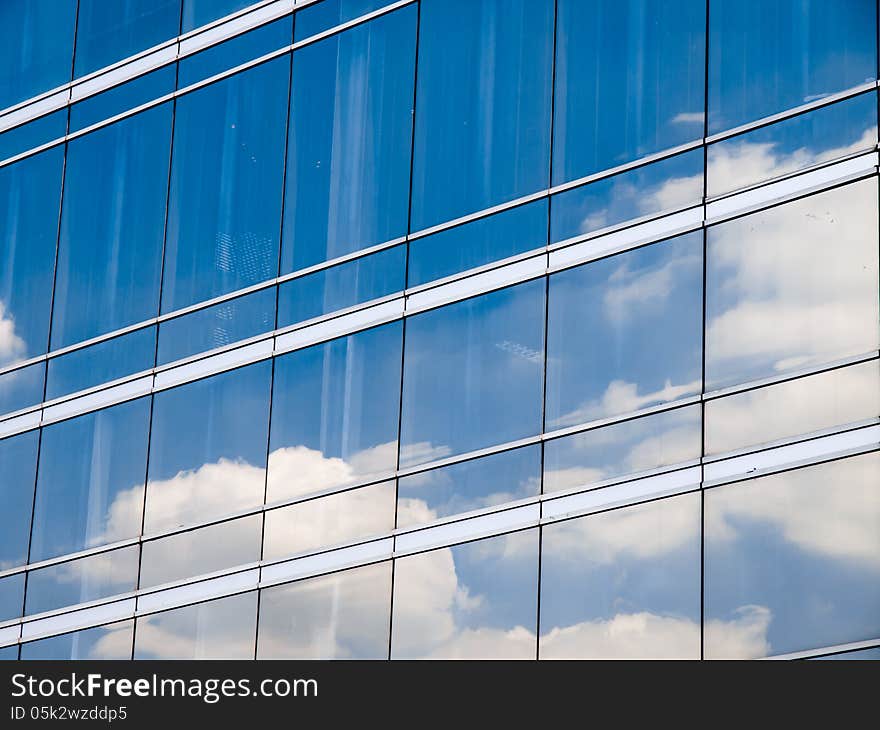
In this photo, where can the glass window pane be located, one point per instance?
(334, 413)
(202, 551)
(660, 187)
(90, 488)
(482, 132)
(36, 47)
(329, 521)
(224, 213)
(29, 200)
(319, 17)
(112, 641)
(11, 596)
(240, 49)
(110, 254)
(18, 470)
(863, 654)
(342, 286)
(350, 139)
(842, 396)
(479, 242)
(629, 81)
(22, 388)
(475, 354)
(625, 332)
(9, 653)
(83, 580)
(792, 560)
(766, 57)
(473, 601)
(197, 13)
(216, 326)
(110, 30)
(33, 134)
(344, 615)
(101, 363)
(208, 448)
(779, 297)
(470, 485)
(224, 629)
(629, 447)
(623, 584)
(829, 133)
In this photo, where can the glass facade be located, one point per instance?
(523, 329)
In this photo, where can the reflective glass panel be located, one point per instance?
(328, 521)
(767, 57)
(90, 488)
(469, 485)
(223, 629)
(18, 462)
(792, 560)
(623, 448)
(202, 551)
(350, 139)
(110, 30)
(11, 596)
(335, 413)
(342, 286)
(863, 654)
(36, 47)
(482, 133)
(29, 200)
(344, 615)
(629, 81)
(623, 584)
(112, 641)
(484, 357)
(33, 134)
(819, 136)
(197, 13)
(472, 601)
(9, 653)
(780, 296)
(319, 17)
(22, 388)
(800, 406)
(83, 580)
(673, 183)
(224, 213)
(479, 242)
(110, 254)
(208, 448)
(625, 332)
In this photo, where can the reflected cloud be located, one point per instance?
(12, 347)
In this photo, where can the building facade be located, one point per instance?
(439, 328)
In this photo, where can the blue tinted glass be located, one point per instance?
(479, 242)
(110, 30)
(625, 332)
(467, 486)
(11, 596)
(484, 355)
(29, 199)
(345, 285)
(335, 413)
(320, 16)
(208, 448)
(629, 81)
(197, 13)
(81, 581)
(350, 140)
(109, 257)
(91, 480)
(36, 47)
(483, 124)
(224, 212)
(9, 653)
(238, 50)
(18, 461)
(822, 135)
(22, 388)
(33, 134)
(122, 98)
(766, 57)
(217, 325)
(112, 641)
(661, 186)
(872, 654)
(101, 363)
